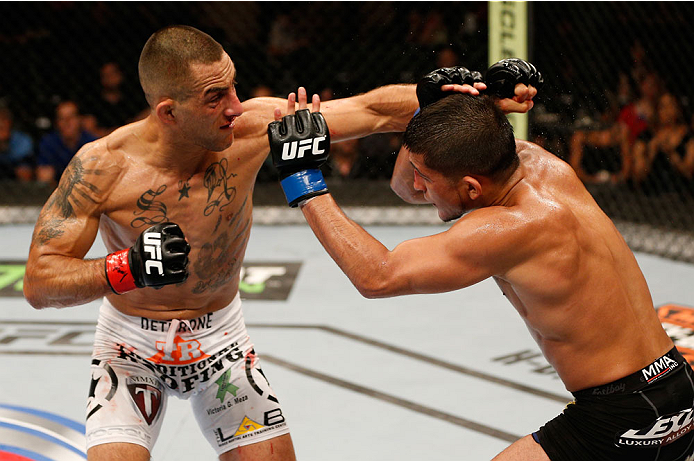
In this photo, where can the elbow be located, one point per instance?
(32, 295)
(33, 300)
(376, 286)
(370, 292)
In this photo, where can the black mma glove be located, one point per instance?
(158, 257)
(429, 87)
(300, 145)
(501, 78)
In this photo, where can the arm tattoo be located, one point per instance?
(73, 192)
(49, 230)
(68, 195)
(147, 202)
(216, 181)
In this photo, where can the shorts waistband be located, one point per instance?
(660, 368)
(195, 324)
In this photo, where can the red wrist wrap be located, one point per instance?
(118, 272)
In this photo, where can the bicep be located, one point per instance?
(440, 263)
(62, 233)
(69, 221)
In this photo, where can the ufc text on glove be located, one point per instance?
(299, 145)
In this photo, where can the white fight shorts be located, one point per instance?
(138, 362)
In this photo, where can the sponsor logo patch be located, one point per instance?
(246, 426)
(662, 431)
(184, 352)
(146, 393)
(272, 419)
(659, 368)
(225, 386)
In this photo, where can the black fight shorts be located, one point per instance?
(648, 415)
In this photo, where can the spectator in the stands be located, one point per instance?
(664, 156)
(57, 148)
(16, 149)
(604, 154)
(115, 105)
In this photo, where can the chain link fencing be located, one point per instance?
(617, 103)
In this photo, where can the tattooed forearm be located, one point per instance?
(47, 231)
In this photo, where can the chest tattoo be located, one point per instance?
(155, 209)
(219, 192)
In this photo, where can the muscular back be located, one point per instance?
(576, 283)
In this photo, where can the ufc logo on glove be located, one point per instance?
(299, 144)
(152, 246)
(296, 149)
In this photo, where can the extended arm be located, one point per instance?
(385, 109)
(466, 254)
(457, 258)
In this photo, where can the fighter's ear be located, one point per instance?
(472, 187)
(165, 111)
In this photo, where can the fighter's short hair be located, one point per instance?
(464, 135)
(164, 66)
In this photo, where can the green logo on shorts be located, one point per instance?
(225, 386)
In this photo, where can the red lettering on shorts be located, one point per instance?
(183, 352)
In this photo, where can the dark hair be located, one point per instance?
(464, 135)
(164, 66)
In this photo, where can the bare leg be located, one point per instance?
(118, 452)
(525, 449)
(277, 449)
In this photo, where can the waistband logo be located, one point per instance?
(659, 368)
(609, 389)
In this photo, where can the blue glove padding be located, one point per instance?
(299, 145)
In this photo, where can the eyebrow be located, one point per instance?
(215, 89)
(419, 172)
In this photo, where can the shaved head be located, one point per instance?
(165, 61)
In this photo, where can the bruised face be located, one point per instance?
(439, 190)
(207, 116)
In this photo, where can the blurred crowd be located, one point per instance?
(84, 80)
(74, 124)
(643, 140)
(630, 125)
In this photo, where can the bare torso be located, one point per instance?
(581, 293)
(211, 202)
(212, 206)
